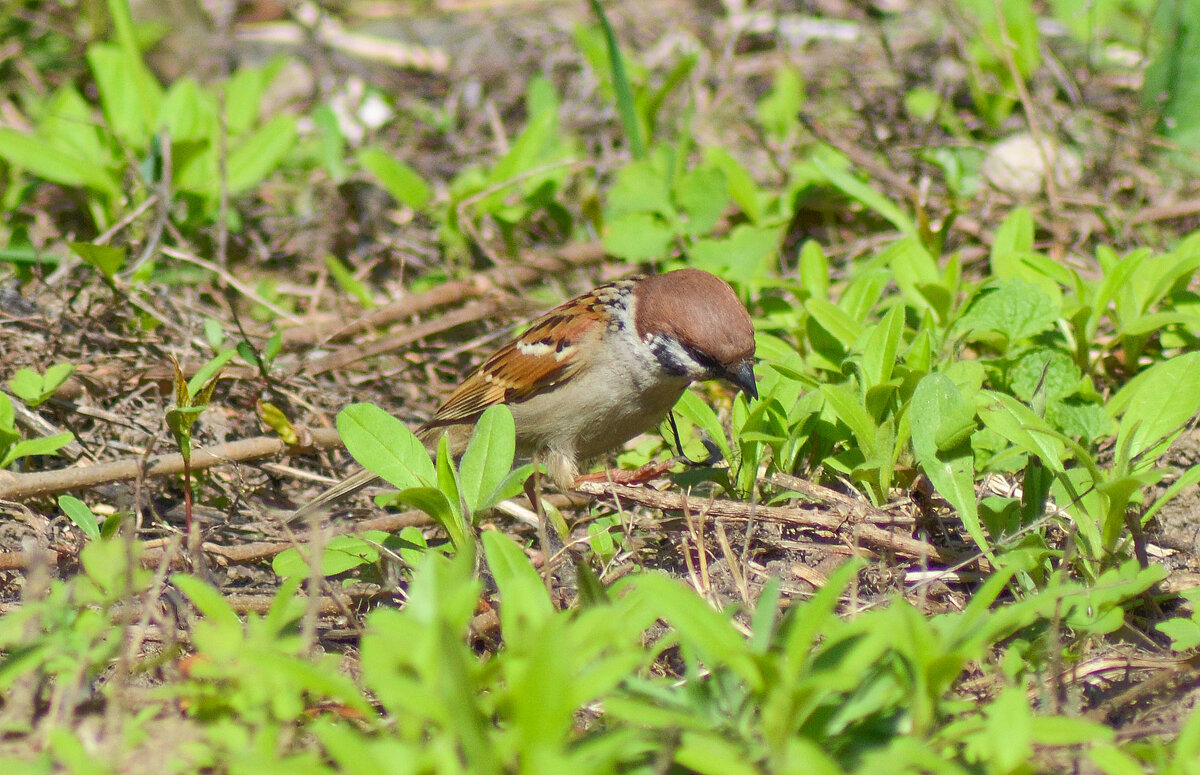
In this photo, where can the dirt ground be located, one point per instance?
(856, 60)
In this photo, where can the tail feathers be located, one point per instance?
(337, 492)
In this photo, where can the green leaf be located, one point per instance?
(1015, 235)
(105, 258)
(524, 604)
(1157, 404)
(202, 383)
(382, 444)
(854, 188)
(849, 409)
(883, 342)
(47, 445)
(942, 443)
(709, 753)
(188, 114)
(342, 553)
(488, 458)
(640, 187)
(1172, 81)
(692, 407)
(621, 86)
(128, 92)
(814, 270)
(256, 156)
(1018, 424)
(400, 180)
(637, 237)
(698, 625)
(703, 196)
(779, 110)
(742, 188)
(434, 502)
(80, 515)
(743, 257)
(348, 282)
(53, 164)
(208, 601)
(244, 94)
(1061, 375)
(26, 384)
(1015, 308)
(845, 329)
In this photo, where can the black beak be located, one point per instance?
(742, 375)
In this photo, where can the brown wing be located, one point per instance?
(547, 353)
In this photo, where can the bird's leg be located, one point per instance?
(714, 454)
(549, 539)
(655, 468)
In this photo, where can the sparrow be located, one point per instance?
(596, 371)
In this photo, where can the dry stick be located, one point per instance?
(832, 497)
(22, 486)
(570, 256)
(868, 534)
(347, 355)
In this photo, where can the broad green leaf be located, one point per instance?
(188, 114)
(69, 124)
(1018, 424)
(341, 554)
(106, 258)
(53, 164)
(1157, 404)
(703, 196)
(524, 604)
(488, 458)
(640, 187)
(879, 352)
(128, 92)
(637, 237)
(845, 329)
(256, 156)
(46, 445)
(941, 441)
(1015, 308)
(80, 515)
(399, 179)
(742, 257)
(382, 444)
(1061, 375)
(27, 385)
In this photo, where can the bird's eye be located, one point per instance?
(703, 359)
